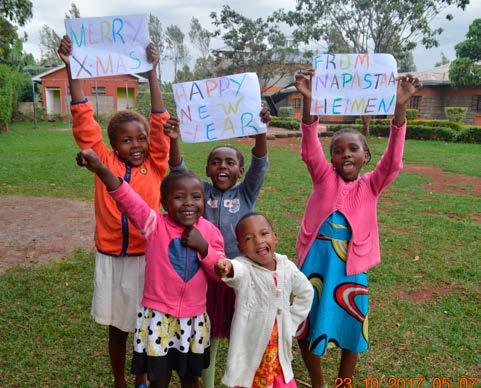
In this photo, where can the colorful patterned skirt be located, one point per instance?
(339, 312)
(163, 343)
(269, 374)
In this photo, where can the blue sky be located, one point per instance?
(180, 12)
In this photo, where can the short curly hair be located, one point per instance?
(174, 176)
(240, 156)
(122, 117)
(355, 132)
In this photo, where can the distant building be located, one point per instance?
(107, 94)
(438, 93)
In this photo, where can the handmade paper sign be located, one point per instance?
(354, 84)
(219, 108)
(108, 45)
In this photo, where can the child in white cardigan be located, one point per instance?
(272, 298)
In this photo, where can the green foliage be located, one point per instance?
(455, 113)
(471, 134)
(257, 45)
(464, 71)
(285, 111)
(176, 47)
(411, 114)
(6, 96)
(369, 25)
(288, 123)
(427, 123)
(184, 74)
(420, 132)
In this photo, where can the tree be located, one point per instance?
(200, 39)
(11, 45)
(156, 33)
(184, 74)
(253, 45)
(368, 25)
(16, 11)
(464, 71)
(73, 12)
(49, 44)
(176, 46)
(444, 60)
(50, 40)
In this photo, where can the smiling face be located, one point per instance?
(348, 155)
(257, 240)
(184, 201)
(224, 168)
(131, 142)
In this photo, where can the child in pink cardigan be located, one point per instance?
(339, 239)
(172, 331)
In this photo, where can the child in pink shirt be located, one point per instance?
(181, 249)
(338, 238)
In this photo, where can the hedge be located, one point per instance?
(427, 123)
(285, 123)
(7, 94)
(286, 112)
(420, 132)
(455, 113)
(470, 135)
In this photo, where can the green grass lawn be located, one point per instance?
(430, 246)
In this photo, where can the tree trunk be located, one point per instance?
(365, 125)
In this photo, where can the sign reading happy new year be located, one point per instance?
(354, 84)
(108, 45)
(219, 108)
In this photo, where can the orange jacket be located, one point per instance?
(114, 234)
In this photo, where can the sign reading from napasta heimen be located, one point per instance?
(108, 45)
(219, 108)
(354, 84)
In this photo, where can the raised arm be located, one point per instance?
(311, 149)
(391, 163)
(64, 52)
(128, 201)
(156, 101)
(172, 129)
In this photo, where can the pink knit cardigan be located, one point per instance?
(356, 200)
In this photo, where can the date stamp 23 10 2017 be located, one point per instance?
(410, 382)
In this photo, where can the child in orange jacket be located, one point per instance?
(139, 154)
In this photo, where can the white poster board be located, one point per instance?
(109, 45)
(219, 108)
(354, 84)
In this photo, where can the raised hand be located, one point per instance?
(153, 55)
(88, 158)
(265, 115)
(171, 128)
(223, 268)
(407, 86)
(192, 238)
(303, 81)
(65, 50)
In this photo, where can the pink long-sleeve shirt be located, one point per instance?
(356, 200)
(175, 275)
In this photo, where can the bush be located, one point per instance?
(437, 123)
(6, 96)
(285, 123)
(455, 113)
(420, 132)
(411, 114)
(470, 135)
(286, 112)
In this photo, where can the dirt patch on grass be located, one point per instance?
(34, 229)
(476, 217)
(424, 294)
(293, 216)
(446, 182)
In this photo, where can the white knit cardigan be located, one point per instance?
(259, 302)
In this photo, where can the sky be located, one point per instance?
(180, 12)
